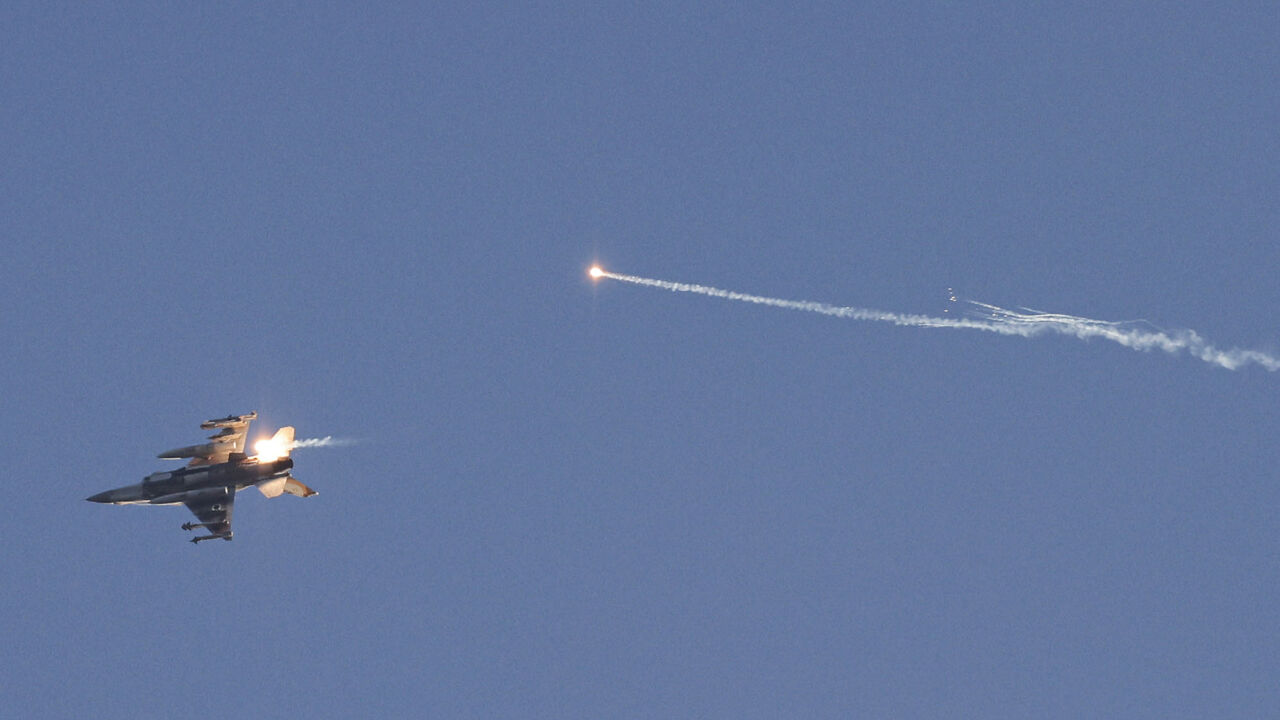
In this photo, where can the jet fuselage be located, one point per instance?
(173, 487)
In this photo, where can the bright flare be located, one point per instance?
(1137, 335)
(596, 272)
(280, 446)
(269, 450)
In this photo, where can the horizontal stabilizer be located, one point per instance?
(293, 487)
(275, 487)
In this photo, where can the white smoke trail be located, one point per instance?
(991, 318)
(326, 441)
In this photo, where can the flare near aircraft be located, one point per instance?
(217, 470)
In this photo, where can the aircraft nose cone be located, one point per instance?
(102, 497)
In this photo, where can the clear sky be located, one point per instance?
(574, 499)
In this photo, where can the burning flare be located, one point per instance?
(278, 446)
(1137, 335)
(282, 443)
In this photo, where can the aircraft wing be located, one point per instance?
(212, 506)
(229, 439)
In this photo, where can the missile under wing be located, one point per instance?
(222, 445)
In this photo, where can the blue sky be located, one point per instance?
(601, 500)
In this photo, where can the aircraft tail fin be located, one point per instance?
(283, 439)
(277, 447)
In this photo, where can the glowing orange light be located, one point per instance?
(268, 450)
(596, 272)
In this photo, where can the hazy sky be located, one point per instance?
(578, 499)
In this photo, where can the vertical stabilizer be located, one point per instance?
(283, 439)
(277, 447)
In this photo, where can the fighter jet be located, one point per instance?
(217, 470)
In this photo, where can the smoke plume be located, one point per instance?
(1136, 335)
